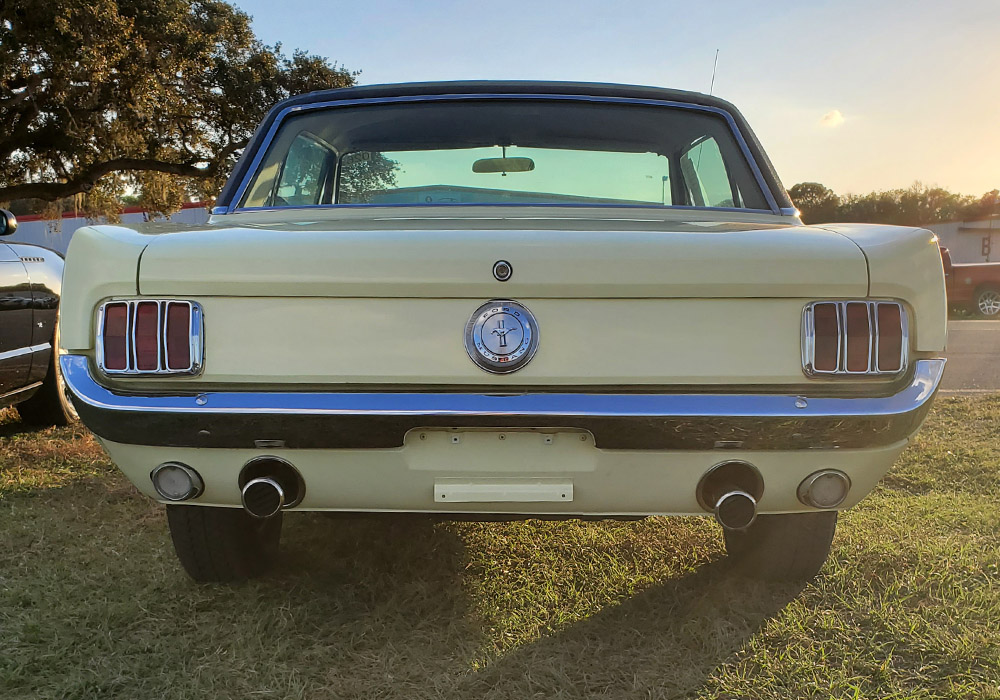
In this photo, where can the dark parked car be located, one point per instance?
(30, 285)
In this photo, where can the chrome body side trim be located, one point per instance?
(295, 109)
(31, 349)
(639, 421)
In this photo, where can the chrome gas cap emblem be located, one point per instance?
(501, 336)
(502, 270)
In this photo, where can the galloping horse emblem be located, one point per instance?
(501, 333)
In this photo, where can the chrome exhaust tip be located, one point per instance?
(736, 510)
(263, 497)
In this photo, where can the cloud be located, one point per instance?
(832, 119)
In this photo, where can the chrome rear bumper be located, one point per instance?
(617, 421)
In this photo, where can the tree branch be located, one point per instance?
(85, 180)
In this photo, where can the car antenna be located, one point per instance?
(711, 87)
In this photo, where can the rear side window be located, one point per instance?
(304, 174)
(706, 177)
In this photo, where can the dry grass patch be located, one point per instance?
(94, 605)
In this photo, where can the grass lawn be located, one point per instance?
(94, 605)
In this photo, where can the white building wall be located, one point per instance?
(970, 241)
(55, 234)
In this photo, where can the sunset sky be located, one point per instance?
(858, 95)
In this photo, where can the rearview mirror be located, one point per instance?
(503, 165)
(8, 223)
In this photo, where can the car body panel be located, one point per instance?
(670, 339)
(905, 263)
(318, 342)
(30, 288)
(44, 268)
(606, 482)
(700, 261)
(105, 264)
(15, 321)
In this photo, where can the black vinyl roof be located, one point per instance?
(523, 87)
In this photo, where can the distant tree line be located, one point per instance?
(917, 205)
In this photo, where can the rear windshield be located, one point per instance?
(504, 151)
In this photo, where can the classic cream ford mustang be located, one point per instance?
(504, 299)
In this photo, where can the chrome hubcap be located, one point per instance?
(989, 303)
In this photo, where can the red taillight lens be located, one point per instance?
(826, 328)
(143, 336)
(147, 336)
(859, 339)
(854, 337)
(178, 336)
(115, 333)
(890, 337)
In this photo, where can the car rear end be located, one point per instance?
(623, 342)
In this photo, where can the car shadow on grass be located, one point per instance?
(665, 641)
(407, 577)
(381, 606)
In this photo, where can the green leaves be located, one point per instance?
(917, 205)
(100, 96)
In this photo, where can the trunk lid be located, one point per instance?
(590, 258)
(376, 303)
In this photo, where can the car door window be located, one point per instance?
(706, 177)
(304, 173)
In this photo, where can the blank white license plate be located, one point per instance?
(503, 491)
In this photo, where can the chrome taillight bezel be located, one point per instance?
(196, 338)
(809, 339)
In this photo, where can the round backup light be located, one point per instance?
(824, 489)
(176, 482)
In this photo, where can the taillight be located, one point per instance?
(859, 337)
(854, 337)
(115, 333)
(149, 336)
(178, 334)
(891, 336)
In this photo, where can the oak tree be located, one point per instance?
(153, 96)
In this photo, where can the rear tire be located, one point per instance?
(50, 405)
(221, 545)
(987, 303)
(787, 547)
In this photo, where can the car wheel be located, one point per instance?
(222, 544)
(987, 303)
(51, 404)
(787, 547)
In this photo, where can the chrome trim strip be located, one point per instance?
(926, 377)
(30, 350)
(294, 109)
(512, 205)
